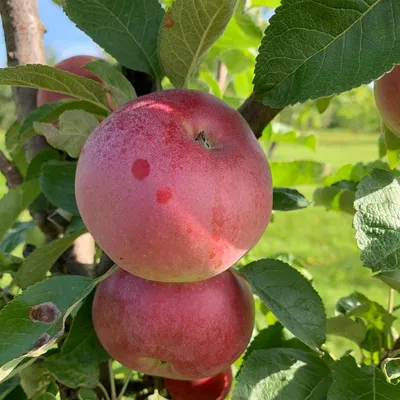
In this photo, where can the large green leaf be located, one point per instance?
(57, 181)
(377, 221)
(77, 364)
(189, 30)
(128, 30)
(14, 202)
(282, 374)
(39, 262)
(50, 112)
(293, 173)
(120, 88)
(316, 49)
(55, 80)
(291, 298)
(75, 126)
(351, 382)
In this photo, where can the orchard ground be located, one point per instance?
(327, 238)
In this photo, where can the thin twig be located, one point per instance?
(391, 300)
(257, 115)
(112, 381)
(103, 389)
(10, 171)
(126, 383)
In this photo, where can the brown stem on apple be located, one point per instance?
(10, 171)
(257, 115)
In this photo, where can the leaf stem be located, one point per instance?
(112, 381)
(103, 389)
(126, 383)
(391, 300)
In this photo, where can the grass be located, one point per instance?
(325, 239)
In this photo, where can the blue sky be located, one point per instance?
(62, 36)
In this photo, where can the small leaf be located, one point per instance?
(14, 202)
(323, 103)
(16, 235)
(127, 30)
(57, 181)
(345, 53)
(55, 80)
(75, 225)
(14, 148)
(377, 221)
(74, 128)
(391, 369)
(285, 199)
(351, 382)
(284, 374)
(77, 364)
(20, 336)
(339, 196)
(9, 263)
(41, 158)
(392, 143)
(188, 31)
(121, 89)
(245, 22)
(38, 263)
(87, 394)
(51, 112)
(290, 297)
(295, 173)
(344, 326)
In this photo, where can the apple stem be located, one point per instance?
(202, 140)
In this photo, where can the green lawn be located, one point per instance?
(325, 239)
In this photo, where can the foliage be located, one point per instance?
(316, 59)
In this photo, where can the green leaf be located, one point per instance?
(344, 326)
(339, 197)
(14, 148)
(74, 128)
(87, 394)
(391, 369)
(189, 30)
(391, 279)
(75, 225)
(282, 374)
(285, 199)
(50, 112)
(206, 76)
(351, 382)
(237, 61)
(77, 364)
(16, 235)
(8, 386)
(245, 22)
(242, 84)
(14, 202)
(127, 30)
(346, 50)
(295, 173)
(41, 158)
(21, 336)
(120, 88)
(57, 181)
(55, 80)
(323, 104)
(290, 297)
(377, 219)
(392, 143)
(33, 379)
(266, 3)
(46, 396)
(38, 263)
(9, 263)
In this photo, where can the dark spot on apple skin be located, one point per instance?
(44, 312)
(141, 169)
(164, 195)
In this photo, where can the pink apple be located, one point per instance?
(387, 98)
(174, 186)
(75, 66)
(213, 388)
(182, 331)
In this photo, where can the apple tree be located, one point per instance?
(115, 297)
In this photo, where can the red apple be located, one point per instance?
(175, 330)
(174, 186)
(75, 66)
(213, 388)
(387, 99)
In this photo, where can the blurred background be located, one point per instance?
(336, 131)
